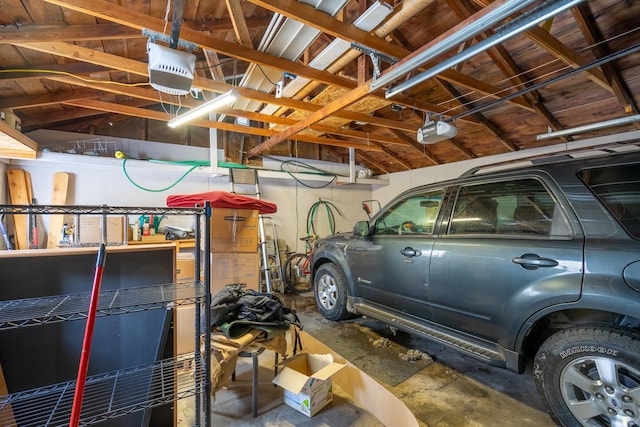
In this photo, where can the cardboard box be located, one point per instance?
(154, 238)
(234, 267)
(185, 267)
(90, 229)
(185, 329)
(234, 230)
(307, 381)
(226, 268)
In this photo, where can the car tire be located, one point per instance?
(330, 291)
(590, 376)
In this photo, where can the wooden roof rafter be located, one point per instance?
(356, 94)
(592, 34)
(127, 17)
(124, 64)
(239, 24)
(336, 28)
(108, 11)
(543, 38)
(152, 95)
(567, 55)
(421, 148)
(491, 127)
(511, 70)
(525, 89)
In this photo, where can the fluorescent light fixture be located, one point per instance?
(594, 126)
(437, 131)
(242, 121)
(213, 104)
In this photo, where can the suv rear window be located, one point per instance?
(521, 207)
(618, 188)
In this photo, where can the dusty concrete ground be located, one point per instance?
(450, 390)
(453, 390)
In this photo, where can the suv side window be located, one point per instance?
(521, 207)
(415, 214)
(618, 188)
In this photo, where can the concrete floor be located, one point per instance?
(450, 390)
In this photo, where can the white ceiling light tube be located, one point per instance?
(213, 104)
(594, 126)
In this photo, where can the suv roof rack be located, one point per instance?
(570, 154)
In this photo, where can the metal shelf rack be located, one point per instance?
(108, 395)
(60, 308)
(96, 210)
(113, 394)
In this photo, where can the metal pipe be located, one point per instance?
(352, 165)
(516, 26)
(406, 10)
(487, 21)
(596, 63)
(207, 312)
(586, 128)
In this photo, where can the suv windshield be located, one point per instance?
(618, 187)
(413, 215)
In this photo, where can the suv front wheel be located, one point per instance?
(590, 376)
(330, 290)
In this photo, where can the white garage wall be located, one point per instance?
(101, 180)
(401, 181)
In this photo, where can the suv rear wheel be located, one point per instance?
(590, 376)
(330, 290)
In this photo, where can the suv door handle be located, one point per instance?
(533, 261)
(409, 252)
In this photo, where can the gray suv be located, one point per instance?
(538, 263)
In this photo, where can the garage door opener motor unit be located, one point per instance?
(170, 70)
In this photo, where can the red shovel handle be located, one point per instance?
(88, 337)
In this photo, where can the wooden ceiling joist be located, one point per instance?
(48, 99)
(162, 116)
(45, 33)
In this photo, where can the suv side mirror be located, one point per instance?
(361, 228)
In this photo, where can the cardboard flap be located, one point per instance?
(326, 372)
(291, 380)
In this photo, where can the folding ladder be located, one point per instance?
(248, 179)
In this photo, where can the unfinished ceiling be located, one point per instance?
(355, 74)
